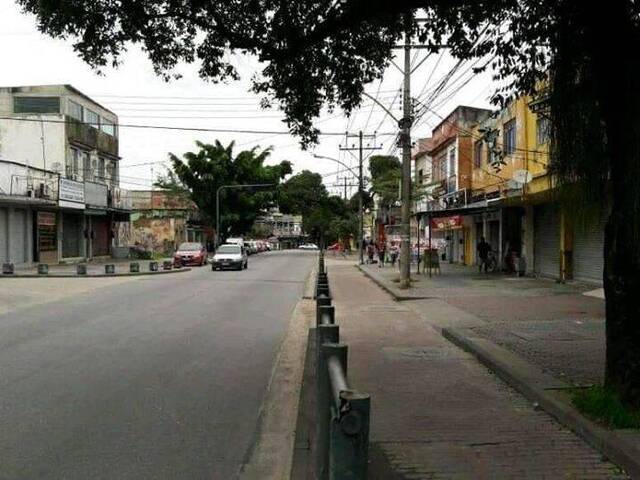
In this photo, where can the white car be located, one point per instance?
(308, 246)
(230, 256)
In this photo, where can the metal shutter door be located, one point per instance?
(100, 236)
(546, 237)
(71, 232)
(4, 234)
(588, 251)
(18, 233)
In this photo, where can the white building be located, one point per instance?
(59, 168)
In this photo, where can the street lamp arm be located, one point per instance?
(375, 100)
(337, 161)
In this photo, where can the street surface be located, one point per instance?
(152, 378)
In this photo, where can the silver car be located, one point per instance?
(230, 257)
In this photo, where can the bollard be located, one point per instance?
(325, 334)
(322, 290)
(43, 269)
(109, 269)
(81, 269)
(321, 300)
(134, 267)
(167, 265)
(349, 437)
(329, 314)
(8, 269)
(153, 266)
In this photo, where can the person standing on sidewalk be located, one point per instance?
(483, 254)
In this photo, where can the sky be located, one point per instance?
(139, 97)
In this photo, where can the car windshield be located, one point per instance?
(229, 249)
(189, 247)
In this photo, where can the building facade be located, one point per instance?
(498, 186)
(161, 220)
(60, 198)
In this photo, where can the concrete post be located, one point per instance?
(325, 334)
(349, 437)
(321, 301)
(327, 311)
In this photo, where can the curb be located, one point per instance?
(95, 275)
(616, 448)
(389, 290)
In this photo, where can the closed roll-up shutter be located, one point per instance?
(100, 227)
(71, 235)
(546, 237)
(588, 250)
(18, 232)
(4, 235)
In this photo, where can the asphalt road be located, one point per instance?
(161, 378)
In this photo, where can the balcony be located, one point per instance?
(91, 137)
(22, 183)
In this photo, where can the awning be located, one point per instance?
(470, 209)
(94, 212)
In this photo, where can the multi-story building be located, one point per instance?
(284, 231)
(59, 175)
(501, 189)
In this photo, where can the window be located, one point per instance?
(36, 104)
(107, 126)
(543, 130)
(101, 170)
(75, 110)
(92, 118)
(87, 171)
(420, 177)
(477, 154)
(510, 137)
(73, 164)
(452, 162)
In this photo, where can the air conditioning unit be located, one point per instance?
(42, 191)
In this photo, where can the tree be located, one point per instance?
(385, 172)
(323, 52)
(302, 193)
(201, 173)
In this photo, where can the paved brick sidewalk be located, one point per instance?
(552, 325)
(437, 413)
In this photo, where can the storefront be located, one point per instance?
(588, 249)
(100, 228)
(15, 235)
(72, 234)
(546, 234)
(46, 237)
(448, 236)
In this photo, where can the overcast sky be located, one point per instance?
(138, 97)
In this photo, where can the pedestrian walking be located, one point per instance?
(370, 252)
(394, 255)
(381, 253)
(483, 254)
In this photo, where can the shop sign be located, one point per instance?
(445, 223)
(71, 193)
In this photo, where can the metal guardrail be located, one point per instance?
(342, 422)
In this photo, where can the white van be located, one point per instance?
(235, 241)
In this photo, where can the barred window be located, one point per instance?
(36, 104)
(510, 137)
(477, 154)
(75, 110)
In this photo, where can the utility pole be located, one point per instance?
(405, 141)
(345, 186)
(361, 136)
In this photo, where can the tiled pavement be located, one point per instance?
(437, 413)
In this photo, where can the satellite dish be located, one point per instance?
(522, 176)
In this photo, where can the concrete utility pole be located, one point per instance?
(361, 136)
(405, 141)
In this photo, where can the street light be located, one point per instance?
(222, 187)
(360, 202)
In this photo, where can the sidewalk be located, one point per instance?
(535, 318)
(436, 412)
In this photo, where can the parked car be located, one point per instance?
(230, 256)
(308, 246)
(249, 248)
(190, 253)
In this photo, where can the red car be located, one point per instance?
(190, 253)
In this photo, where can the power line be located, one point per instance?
(188, 129)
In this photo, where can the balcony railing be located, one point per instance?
(23, 181)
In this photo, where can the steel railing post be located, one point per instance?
(325, 334)
(321, 301)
